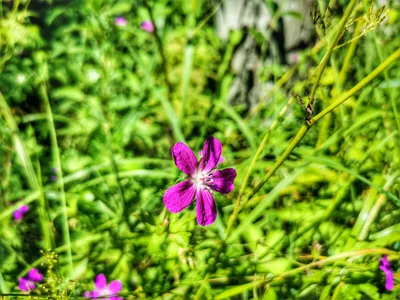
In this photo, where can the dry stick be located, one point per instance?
(308, 124)
(160, 46)
(331, 47)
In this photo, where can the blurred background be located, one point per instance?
(93, 95)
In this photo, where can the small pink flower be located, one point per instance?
(27, 283)
(384, 265)
(102, 289)
(120, 21)
(19, 213)
(200, 180)
(147, 26)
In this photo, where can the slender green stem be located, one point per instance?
(315, 264)
(57, 159)
(373, 213)
(296, 140)
(378, 70)
(3, 287)
(205, 20)
(164, 64)
(327, 56)
(252, 164)
(308, 124)
(115, 168)
(337, 291)
(27, 165)
(348, 58)
(391, 92)
(187, 62)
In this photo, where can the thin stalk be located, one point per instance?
(378, 70)
(343, 192)
(188, 61)
(283, 80)
(327, 56)
(308, 124)
(296, 140)
(324, 129)
(113, 163)
(391, 93)
(253, 163)
(164, 64)
(116, 172)
(348, 58)
(304, 268)
(57, 159)
(3, 286)
(205, 20)
(27, 165)
(337, 291)
(373, 213)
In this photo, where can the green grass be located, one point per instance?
(316, 202)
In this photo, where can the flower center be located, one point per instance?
(202, 180)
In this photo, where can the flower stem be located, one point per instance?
(327, 56)
(57, 159)
(253, 163)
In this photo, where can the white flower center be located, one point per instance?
(202, 180)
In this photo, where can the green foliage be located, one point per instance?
(89, 112)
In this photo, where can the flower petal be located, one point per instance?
(211, 154)
(26, 285)
(17, 215)
(24, 208)
(147, 26)
(384, 262)
(184, 158)
(389, 280)
(97, 293)
(206, 210)
(222, 180)
(177, 197)
(100, 281)
(115, 287)
(87, 294)
(120, 21)
(34, 275)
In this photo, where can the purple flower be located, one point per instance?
(200, 180)
(120, 21)
(220, 161)
(384, 265)
(27, 283)
(102, 289)
(147, 26)
(19, 213)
